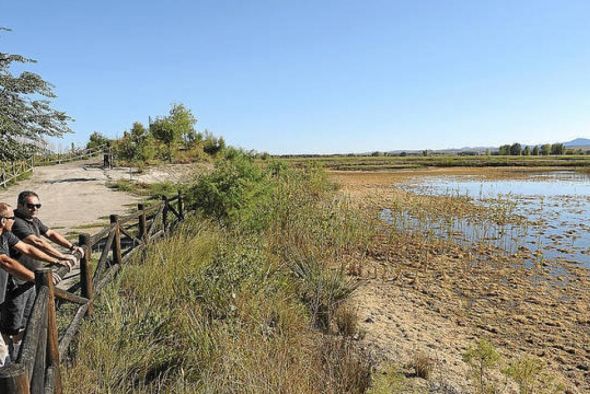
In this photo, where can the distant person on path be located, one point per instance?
(8, 242)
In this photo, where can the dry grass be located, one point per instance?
(423, 365)
(346, 320)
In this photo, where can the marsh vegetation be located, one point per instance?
(540, 216)
(247, 296)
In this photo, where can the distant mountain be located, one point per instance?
(577, 143)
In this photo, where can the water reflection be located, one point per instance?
(555, 204)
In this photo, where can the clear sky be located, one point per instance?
(319, 76)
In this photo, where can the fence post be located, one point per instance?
(117, 258)
(86, 284)
(43, 277)
(180, 206)
(13, 380)
(3, 177)
(142, 223)
(165, 213)
(14, 168)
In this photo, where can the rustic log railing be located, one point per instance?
(10, 171)
(37, 367)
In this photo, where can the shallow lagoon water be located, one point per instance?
(555, 204)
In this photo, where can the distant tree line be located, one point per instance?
(516, 149)
(171, 138)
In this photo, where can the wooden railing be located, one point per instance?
(59, 158)
(37, 367)
(10, 171)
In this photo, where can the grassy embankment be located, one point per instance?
(371, 163)
(246, 296)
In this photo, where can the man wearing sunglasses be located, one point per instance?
(11, 311)
(28, 228)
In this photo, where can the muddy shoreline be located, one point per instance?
(437, 297)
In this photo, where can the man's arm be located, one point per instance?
(32, 251)
(58, 238)
(15, 268)
(43, 246)
(61, 240)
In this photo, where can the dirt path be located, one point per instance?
(72, 194)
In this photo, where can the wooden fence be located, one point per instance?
(37, 367)
(59, 158)
(10, 171)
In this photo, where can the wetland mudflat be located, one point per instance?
(428, 286)
(554, 208)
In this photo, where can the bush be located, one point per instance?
(481, 357)
(531, 376)
(231, 191)
(322, 290)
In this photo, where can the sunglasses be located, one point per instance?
(31, 206)
(7, 217)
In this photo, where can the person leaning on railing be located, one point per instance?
(30, 229)
(12, 267)
(17, 292)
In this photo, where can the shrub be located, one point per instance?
(531, 376)
(231, 191)
(322, 290)
(481, 357)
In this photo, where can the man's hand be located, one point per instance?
(69, 261)
(77, 250)
(55, 277)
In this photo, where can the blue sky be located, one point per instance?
(318, 76)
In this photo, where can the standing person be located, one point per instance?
(19, 294)
(10, 266)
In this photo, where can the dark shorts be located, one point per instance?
(17, 307)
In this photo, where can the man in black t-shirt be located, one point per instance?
(28, 228)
